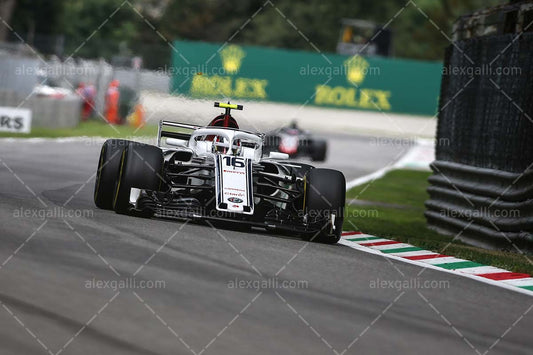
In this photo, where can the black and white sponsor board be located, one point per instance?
(17, 120)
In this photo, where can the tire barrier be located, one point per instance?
(486, 120)
(484, 207)
(482, 187)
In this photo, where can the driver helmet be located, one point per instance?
(236, 148)
(222, 147)
(219, 145)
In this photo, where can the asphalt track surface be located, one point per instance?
(57, 277)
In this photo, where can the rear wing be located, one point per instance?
(175, 130)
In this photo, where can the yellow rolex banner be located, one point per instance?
(208, 70)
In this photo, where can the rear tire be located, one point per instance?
(325, 194)
(319, 150)
(107, 172)
(141, 166)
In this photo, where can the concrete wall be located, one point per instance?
(46, 112)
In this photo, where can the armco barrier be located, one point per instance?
(248, 72)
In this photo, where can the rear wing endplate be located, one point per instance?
(163, 131)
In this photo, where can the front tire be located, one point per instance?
(107, 172)
(141, 167)
(325, 195)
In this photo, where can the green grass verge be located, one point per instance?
(407, 223)
(92, 128)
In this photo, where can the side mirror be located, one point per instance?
(176, 142)
(278, 156)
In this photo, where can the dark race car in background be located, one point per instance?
(296, 142)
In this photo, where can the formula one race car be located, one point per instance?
(217, 173)
(296, 142)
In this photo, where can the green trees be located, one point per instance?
(113, 26)
(110, 27)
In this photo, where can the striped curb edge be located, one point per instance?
(520, 282)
